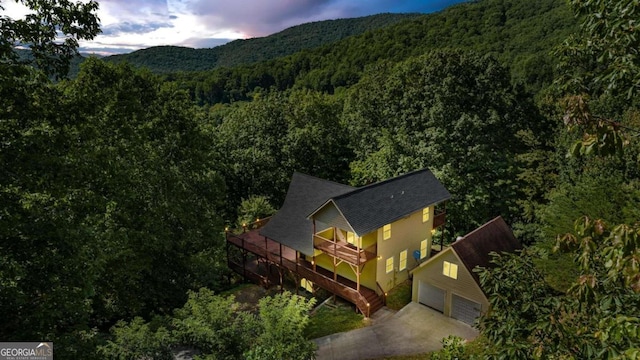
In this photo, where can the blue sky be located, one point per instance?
(130, 25)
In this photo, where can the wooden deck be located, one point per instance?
(439, 219)
(259, 254)
(344, 251)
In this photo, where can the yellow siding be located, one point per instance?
(369, 239)
(368, 272)
(465, 285)
(367, 276)
(307, 285)
(406, 234)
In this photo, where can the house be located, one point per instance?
(446, 282)
(357, 243)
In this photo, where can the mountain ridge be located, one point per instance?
(169, 58)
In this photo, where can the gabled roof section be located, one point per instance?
(474, 248)
(290, 226)
(373, 206)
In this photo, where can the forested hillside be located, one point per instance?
(166, 59)
(520, 34)
(117, 185)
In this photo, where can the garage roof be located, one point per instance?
(474, 248)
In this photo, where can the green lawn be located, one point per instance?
(329, 320)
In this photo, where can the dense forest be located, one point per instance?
(117, 184)
(516, 33)
(167, 59)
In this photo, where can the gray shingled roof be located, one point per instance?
(474, 248)
(290, 226)
(373, 206)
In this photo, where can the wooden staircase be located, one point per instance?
(375, 302)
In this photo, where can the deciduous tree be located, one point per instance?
(51, 30)
(454, 112)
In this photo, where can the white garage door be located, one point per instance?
(431, 296)
(464, 310)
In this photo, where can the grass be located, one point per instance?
(329, 320)
(399, 296)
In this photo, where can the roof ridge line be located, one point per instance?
(322, 179)
(480, 228)
(379, 183)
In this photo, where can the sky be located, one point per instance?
(129, 25)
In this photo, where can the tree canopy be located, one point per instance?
(116, 185)
(454, 112)
(51, 31)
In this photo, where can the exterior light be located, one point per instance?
(368, 305)
(226, 229)
(433, 231)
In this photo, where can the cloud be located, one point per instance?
(199, 43)
(133, 28)
(260, 18)
(135, 24)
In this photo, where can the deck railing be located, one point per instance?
(345, 251)
(382, 294)
(439, 219)
(342, 290)
(302, 268)
(248, 226)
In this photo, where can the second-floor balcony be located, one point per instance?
(345, 251)
(439, 219)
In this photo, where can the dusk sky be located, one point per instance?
(129, 25)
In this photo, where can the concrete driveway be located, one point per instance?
(414, 329)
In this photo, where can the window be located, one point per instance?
(423, 249)
(351, 239)
(389, 265)
(386, 232)
(425, 214)
(403, 260)
(450, 270)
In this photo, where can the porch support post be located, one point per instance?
(335, 255)
(357, 262)
(281, 270)
(266, 262)
(296, 276)
(335, 260)
(244, 260)
(266, 248)
(313, 258)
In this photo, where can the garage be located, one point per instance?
(464, 310)
(447, 282)
(431, 296)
